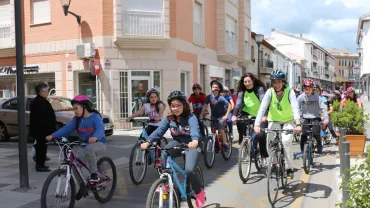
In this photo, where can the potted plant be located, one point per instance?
(353, 119)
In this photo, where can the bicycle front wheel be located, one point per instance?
(244, 160)
(273, 176)
(307, 157)
(159, 195)
(54, 199)
(209, 152)
(226, 153)
(108, 180)
(138, 164)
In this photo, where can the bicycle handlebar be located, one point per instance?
(287, 131)
(58, 141)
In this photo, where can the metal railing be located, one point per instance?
(5, 35)
(231, 44)
(266, 63)
(143, 23)
(198, 33)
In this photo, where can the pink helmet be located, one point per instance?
(82, 100)
(350, 89)
(152, 90)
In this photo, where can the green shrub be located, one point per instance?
(350, 117)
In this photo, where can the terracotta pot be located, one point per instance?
(357, 144)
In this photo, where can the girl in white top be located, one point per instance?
(154, 108)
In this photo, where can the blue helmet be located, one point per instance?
(277, 74)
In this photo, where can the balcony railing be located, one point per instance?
(143, 23)
(5, 36)
(198, 33)
(266, 63)
(231, 45)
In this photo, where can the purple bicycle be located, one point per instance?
(65, 187)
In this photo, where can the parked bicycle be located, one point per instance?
(65, 185)
(213, 144)
(171, 191)
(140, 159)
(249, 149)
(276, 171)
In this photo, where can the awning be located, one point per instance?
(9, 70)
(34, 77)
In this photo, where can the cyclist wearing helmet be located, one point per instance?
(154, 108)
(312, 109)
(89, 125)
(283, 113)
(218, 108)
(228, 97)
(197, 99)
(352, 96)
(184, 128)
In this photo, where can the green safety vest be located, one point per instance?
(251, 103)
(285, 113)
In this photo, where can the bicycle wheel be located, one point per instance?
(58, 194)
(162, 199)
(226, 154)
(257, 158)
(273, 176)
(209, 151)
(108, 175)
(138, 163)
(244, 160)
(189, 190)
(283, 174)
(307, 151)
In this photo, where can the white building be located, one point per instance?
(318, 63)
(363, 42)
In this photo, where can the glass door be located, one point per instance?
(139, 87)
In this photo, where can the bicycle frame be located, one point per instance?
(175, 168)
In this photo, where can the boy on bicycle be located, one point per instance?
(283, 113)
(218, 110)
(312, 108)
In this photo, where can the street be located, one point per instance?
(223, 186)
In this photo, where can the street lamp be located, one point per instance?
(259, 39)
(65, 4)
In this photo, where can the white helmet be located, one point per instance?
(226, 89)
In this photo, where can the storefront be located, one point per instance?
(87, 86)
(237, 73)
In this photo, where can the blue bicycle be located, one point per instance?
(171, 191)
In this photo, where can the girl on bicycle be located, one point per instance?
(154, 108)
(184, 129)
(89, 125)
(351, 96)
(250, 94)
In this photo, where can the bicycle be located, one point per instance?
(176, 191)
(142, 158)
(213, 143)
(249, 148)
(276, 165)
(309, 147)
(74, 163)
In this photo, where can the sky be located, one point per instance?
(330, 23)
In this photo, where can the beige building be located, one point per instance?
(166, 44)
(346, 63)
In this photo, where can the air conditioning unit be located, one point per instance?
(85, 50)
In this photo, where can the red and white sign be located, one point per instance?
(69, 66)
(107, 64)
(95, 67)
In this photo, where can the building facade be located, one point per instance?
(346, 66)
(363, 42)
(319, 63)
(166, 44)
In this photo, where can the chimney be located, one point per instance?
(300, 35)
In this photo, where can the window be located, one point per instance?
(202, 77)
(252, 53)
(247, 6)
(235, 2)
(228, 78)
(183, 82)
(246, 49)
(41, 11)
(198, 23)
(5, 13)
(11, 104)
(231, 35)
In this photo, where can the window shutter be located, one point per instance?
(5, 13)
(41, 11)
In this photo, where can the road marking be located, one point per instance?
(304, 179)
(121, 161)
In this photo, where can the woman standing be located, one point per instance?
(250, 94)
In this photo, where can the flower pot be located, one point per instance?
(357, 144)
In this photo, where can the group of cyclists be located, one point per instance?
(279, 107)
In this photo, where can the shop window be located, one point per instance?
(227, 78)
(87, 86)
(183, 84)
(123, 95)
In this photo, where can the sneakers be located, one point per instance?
(299, 155)
(263, 162)
(94, 178)
(158, 163)
(290, 173)
(200, 199)
(166, 188)
(225, 146)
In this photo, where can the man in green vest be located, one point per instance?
(283, 113)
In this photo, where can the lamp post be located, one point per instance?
(259, 39)
(65, 4)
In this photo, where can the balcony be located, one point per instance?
(142, 30)
(231, 50)
(266, 66)
(231, 45)
(7, 41)
(314, 58)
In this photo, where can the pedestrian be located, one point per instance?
(42, 123)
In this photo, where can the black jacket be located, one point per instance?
(42, 118)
